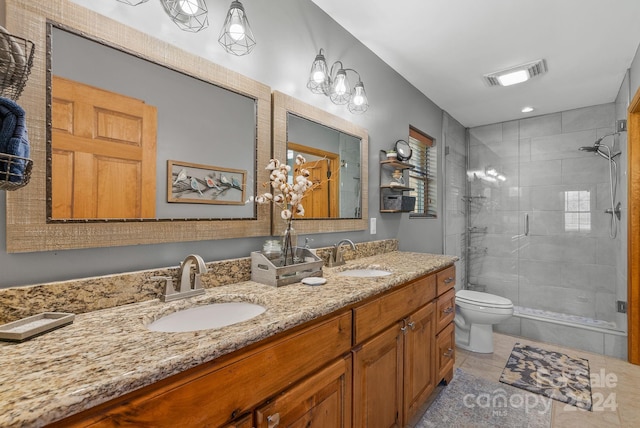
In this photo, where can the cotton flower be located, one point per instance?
(273, 164)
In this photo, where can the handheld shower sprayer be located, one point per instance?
(607, 152)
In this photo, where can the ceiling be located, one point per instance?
(444, 47)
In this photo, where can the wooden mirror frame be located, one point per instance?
(283, 104)
(26, 214)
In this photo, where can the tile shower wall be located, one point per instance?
(455, 187)
(567, 262)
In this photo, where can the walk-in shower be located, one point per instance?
(541, 225)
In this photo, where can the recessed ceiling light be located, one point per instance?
(527, 109)
(517, 74)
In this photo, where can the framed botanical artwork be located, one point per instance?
(194, 183)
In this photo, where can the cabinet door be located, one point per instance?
(446, 352)
(322, 400)
(377, 380)
(419, 359)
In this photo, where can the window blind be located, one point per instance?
(422, 178)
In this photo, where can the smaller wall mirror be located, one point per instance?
(339, 149)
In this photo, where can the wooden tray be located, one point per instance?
(26, 328)
(271, 272)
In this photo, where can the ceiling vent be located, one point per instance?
(517, 74)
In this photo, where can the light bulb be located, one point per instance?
(358, 97)
(318, 76)
(190, 7)
(236, 29)
(340, 88)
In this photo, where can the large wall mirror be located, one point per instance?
(330, 143)
(200, 189)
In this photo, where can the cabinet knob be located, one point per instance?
(447, 310)
(449, 353)
(273, 420)
(412, 325)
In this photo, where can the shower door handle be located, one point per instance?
(526, 224)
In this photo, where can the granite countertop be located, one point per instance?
(107, 353)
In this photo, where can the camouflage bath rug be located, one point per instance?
(552, 374)
(472, 402)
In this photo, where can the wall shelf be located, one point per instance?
(392, 196)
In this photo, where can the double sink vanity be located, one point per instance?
(355, 350)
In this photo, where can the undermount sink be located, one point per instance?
(214, 315)
(364, 273)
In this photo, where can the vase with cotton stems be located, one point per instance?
(288, 196)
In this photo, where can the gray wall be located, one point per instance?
(289, 34)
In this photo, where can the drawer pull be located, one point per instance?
(449, 353)
(273, 420)
(447, 310)
(449, 280)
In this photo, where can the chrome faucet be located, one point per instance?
(336, 258)
(186, 286)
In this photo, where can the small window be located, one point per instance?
(422, 178)
(577, 211)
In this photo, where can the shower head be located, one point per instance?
(596, 146)
(591, 149)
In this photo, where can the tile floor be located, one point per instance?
(615, 384)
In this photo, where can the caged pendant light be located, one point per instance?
(188, 15)
(236, 35)
(334, 83)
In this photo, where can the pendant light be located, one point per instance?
(236, 36)
(340, 92)
(358, 103)
(318, 82)
(188, 15)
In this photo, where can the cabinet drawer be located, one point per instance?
(446, 279)
(375, 316)
(446, 309)
(445, 352)
(215, 398)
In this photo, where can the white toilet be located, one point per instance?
(476, 313)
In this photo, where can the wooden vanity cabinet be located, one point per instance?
(394, 371)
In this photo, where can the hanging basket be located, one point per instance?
(15, 171)
(16, 59)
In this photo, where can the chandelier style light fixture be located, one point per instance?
(334, 83)
(236, 36)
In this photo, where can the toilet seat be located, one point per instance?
(483, 299)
